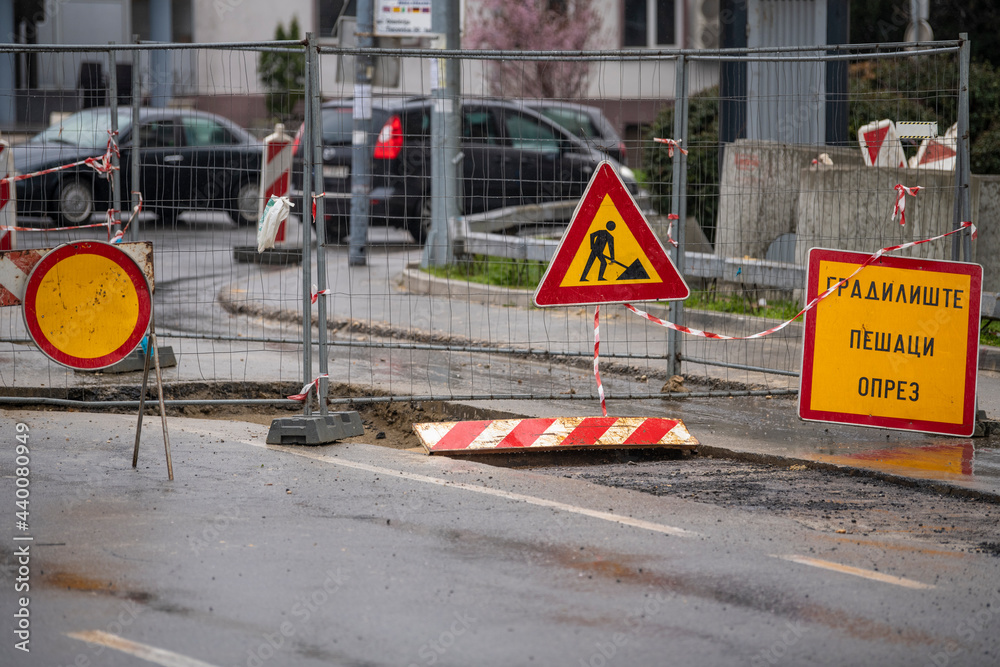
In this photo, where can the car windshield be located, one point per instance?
(338, 124)
(575, 121)
(85, 129)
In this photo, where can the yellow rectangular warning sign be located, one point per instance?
(894, 346)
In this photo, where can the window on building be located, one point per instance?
(650, 23)
(328, 11)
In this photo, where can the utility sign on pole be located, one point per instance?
(896, 346)
(402, 18)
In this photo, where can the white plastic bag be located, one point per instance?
(275, 212)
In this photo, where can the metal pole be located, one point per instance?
(963, 177)
(445, 132)
(361, 172)
(133, 230)
(316, 129)
(116, 177)
(679, 208)
(307, 222)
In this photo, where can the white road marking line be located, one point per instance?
(485, 490)
(856, 571)
(152, 654)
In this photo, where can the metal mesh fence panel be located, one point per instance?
(189, 126)
(772, 167)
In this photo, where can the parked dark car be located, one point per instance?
(587, 122)
(338, 131)
(511, 156)
(188, 160)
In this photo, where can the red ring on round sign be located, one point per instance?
(131, 270)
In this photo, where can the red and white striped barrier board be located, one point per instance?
(507, 436)
(276, 169)
(880, 145)
(16, 265)
(938, 153)
(8, 199)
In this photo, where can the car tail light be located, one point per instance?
(298, 139)
(622, 149)
(390, 140)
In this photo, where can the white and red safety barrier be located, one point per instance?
(507, 435)
(14, 269)
(275, 172)
(938, 153)
(8, 199)
(880, 145)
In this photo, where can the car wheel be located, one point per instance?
(75, 203)
(167, 216)
(420, 226)
(337, 229)
(244, 208)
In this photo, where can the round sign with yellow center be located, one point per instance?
(87, 304)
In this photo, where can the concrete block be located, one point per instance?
(759, 192)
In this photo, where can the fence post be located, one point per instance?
(316, 147)
(323, 428)
(963, 179)
(678, 207)
(309, 166)
(445, 150)
(361, 156)
(136, 105)
(114, 216)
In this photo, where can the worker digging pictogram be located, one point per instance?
(603, 240)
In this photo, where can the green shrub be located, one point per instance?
(703, 159)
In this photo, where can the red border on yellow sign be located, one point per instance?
(809, 393)
(129, 268)
(668, 284)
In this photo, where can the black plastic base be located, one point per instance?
(248, 255)
(315, 430)
(137, 360)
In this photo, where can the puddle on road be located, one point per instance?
(953, 462)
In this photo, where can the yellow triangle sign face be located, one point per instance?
(609, 239)
(608, 253)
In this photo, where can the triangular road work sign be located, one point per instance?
(608, 253)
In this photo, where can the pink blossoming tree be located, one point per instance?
(534, 25)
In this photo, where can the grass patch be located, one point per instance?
(989, 333)
(742, 304)
(510, 273)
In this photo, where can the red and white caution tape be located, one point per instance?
(597, 347)
(671, 144)
(102, 164)
(54, 229)
(315, 197)
(670, 228)
(811, 304)
(316, 293)
(899, 212)
(307, 389)
(135, 211)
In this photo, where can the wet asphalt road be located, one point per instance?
(360, 555)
